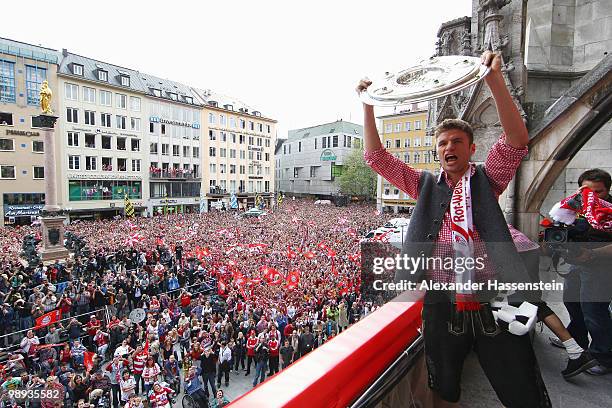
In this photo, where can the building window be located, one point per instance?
(77, 69)
(90, 118)
(90, 140)
(427, 157)
(153, 148)
(387, 144)
(250, 155)
(72, 115)
(7, 145)
(107, 164)
(417, 141)
(232, 169)
(336, 170)
(72, 91)
(223, 136)
(121, 164)
(251, 125)
(267, 156)
(232, 153)
(417, 157)
(349, 141)
(102, 75)
(213, 168)
(407, 126)
(7, 81)
(398, 127)
(73, 139)
(135, 103)
(38, 172)
(222, 121)
(242, 155)
(74, 162)
(135, 145)
(212, 135)
(242, 169)
(222, 152)
(176, 150)
(212, 152)
(85, 190)
(406, 157)
(38, 146)
(185, 151)
(106, 98)
(121, 145)
(165, 149)
(125, 80)
(135, 164)
(91, 163)
(105, 119)
(428, 141)
(407, 142)
(163, 129)
(173, 96)
(242, 124)
(388, 128)
(335, 140)
(7, 172)
(34, 78)
(121, 101)
(417, 125)
(157, 92)
(135, 124)
(6, 118)
(89, 95)
(107, 142)
(121, 122)
(398, 143)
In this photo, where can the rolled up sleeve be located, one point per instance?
(394, 171)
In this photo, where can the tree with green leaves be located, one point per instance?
(357, 178)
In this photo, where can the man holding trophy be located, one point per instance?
(457, 215)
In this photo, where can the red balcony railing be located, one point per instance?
(338, 372)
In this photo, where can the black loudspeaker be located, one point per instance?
(341, 201)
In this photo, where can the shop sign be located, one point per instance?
(328, 155)
(113, 176)
(13, 132)
(157, 119)
(22, 210)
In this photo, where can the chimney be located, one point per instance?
(414, 107)
(64, 52)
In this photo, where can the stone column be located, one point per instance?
(52, 220)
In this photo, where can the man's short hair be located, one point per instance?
(596, 175)
(449, 124)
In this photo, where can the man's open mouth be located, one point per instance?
(450, 158)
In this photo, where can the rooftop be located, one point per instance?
(339, 126)
(25, 50)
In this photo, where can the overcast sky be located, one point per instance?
(296, 61)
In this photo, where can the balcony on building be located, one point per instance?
(172, 173)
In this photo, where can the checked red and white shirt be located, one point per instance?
(500, 165)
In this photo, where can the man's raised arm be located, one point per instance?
(509, 115)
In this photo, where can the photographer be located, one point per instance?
(590, 282)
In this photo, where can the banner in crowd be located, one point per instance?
(48, 318)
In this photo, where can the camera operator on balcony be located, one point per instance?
(588, 286)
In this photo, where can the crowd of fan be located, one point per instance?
(209, 307)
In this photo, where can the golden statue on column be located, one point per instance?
(45, 98)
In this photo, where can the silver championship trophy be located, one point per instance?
(137, 315)
(429, 79)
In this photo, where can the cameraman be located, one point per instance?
(590, 282)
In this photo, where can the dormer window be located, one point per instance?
(125, 80)
(229, 107)
(256, 113)
(157, 92)
(212, 103)
(188, 99)
(173, 96)
(102, 75)
(77, 69)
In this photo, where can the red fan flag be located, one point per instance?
(159, 242)
(240, 280)
(291, 254)
(273, 276)
(309, 255)
(293, 279)
(221, 287)
(255, 281)
(295, 220)
(232, 263)
(333, 267)
(331, 253)
(355, 258)
(48, 318)
(321, 245)
(134, 238)
(88, 360)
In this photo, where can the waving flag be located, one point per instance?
(221, 287)
(321, 245)
(130, 225)
(129, 208)
(291, 254)
(134, 238)
(309, 255)
(293, 279)
(48, 318)
(88, 360)
(273, 277)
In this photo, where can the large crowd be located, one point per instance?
(147, 308)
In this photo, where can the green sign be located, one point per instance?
(327, 155)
